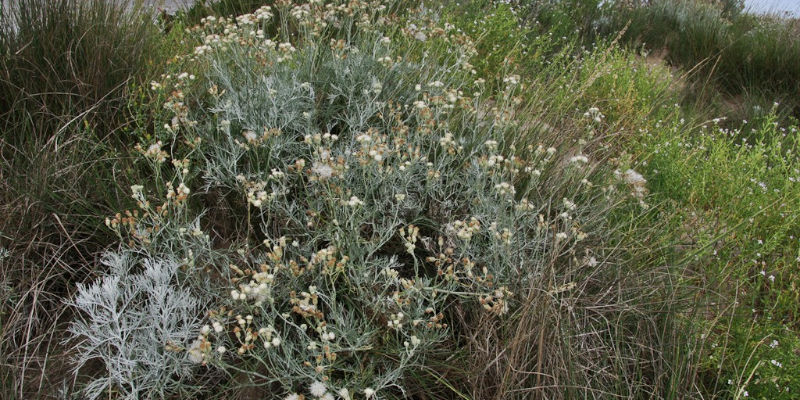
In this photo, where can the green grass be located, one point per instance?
(729, 206)
(739, 202)
(564, 81)
(740, 54)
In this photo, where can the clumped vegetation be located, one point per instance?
(751, 58)
(67, 71)
(378, 200)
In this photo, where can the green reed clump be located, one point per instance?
(67, 68)
(70, 60)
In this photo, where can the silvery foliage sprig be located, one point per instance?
(136, 320)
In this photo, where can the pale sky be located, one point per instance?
(780, 6)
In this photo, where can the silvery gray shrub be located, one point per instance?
(136, 320)
(369, 186)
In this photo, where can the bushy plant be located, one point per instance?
(363, 207)
(137, 320)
